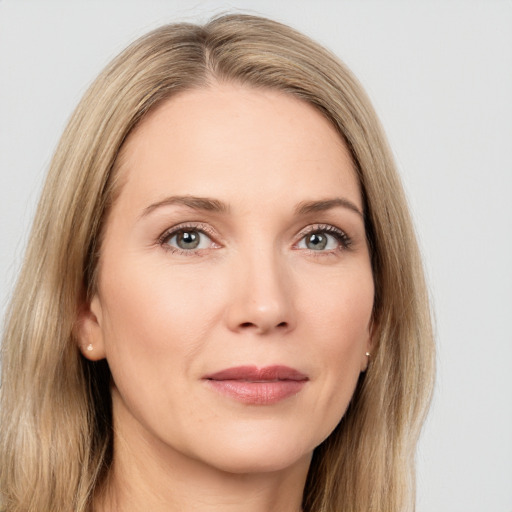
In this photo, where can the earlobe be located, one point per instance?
(366, 359)
(88, 331)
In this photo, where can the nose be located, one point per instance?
(261, 301)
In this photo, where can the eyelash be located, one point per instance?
(340, 236)
(198, 227)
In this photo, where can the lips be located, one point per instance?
(257, 386)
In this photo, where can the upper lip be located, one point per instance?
(255, 374)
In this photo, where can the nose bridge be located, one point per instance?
(262, 300)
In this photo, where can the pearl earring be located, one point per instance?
(89, 347)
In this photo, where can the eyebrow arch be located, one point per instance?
(306, 207)
(214, 205)
(196, 203)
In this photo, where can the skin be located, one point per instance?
(254, 292)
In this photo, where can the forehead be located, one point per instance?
(232, 141)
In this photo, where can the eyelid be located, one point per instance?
(344, 240)
(192, 226)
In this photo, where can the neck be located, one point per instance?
(148, 476)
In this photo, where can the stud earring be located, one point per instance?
(89, 347)
(368, 355)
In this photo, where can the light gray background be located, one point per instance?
(440, 75)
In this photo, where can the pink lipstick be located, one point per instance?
(258, 386)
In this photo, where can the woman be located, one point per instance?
(222, 302)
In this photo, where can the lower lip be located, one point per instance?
(258, 393)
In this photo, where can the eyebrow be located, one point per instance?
(306, 207)
(196, 203)
(214, 205)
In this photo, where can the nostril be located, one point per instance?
(251, 325)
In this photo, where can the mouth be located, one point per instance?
(257, 386)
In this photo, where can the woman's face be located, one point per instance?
(235, 288)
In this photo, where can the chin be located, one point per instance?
(257, 453)
(262, 462)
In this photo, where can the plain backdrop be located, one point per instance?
(440, 76)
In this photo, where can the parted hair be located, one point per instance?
(55, 409)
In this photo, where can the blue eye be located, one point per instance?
(326, 238)
(320, 241)
(187, 239)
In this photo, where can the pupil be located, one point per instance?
(188, 240)
(317, 242)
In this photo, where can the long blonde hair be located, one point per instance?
(56, 431)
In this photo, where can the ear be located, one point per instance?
(368, 347)
(89, 332)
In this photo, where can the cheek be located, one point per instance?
(339, 322)
(339, 308)
(155, 324)
(154, 321)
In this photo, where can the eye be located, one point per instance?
(186, 239)
(319, 241)
(324, 238)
